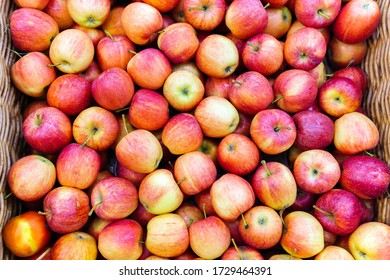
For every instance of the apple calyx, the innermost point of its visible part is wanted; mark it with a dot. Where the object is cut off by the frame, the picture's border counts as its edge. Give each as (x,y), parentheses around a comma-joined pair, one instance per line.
(237,249)
(264,163)
(255,48)
(246,226)
(94,207)
(321,13)
(39,120)
(323,211)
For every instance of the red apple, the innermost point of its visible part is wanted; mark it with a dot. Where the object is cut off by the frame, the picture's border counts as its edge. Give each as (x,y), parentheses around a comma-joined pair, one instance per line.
(89,13)
(304,201)
(76,245)
(318,13)
(333,252)
(162,5)
(95,34)
(32,106)
(342,54)
(92,72)
(356,74)
(218,86)
(296,25)
(113,24)
(36,4)
(242,253)
(141,215)
(96,226)
(367,210)
(203,201)
(279,21)
(58,10)
(190,66)
(276,3)
(204,14)
(189,212)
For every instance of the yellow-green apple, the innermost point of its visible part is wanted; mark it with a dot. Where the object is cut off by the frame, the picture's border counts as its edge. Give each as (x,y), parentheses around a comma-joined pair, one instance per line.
(76,245)
(251,92)
(36,4)
(89,13)
(246,18)
(113,24)
(279,21)
(26,234)
(204,14)
(32,29)
(305,48)
(71,51)
(217,56)
(209,147)
(273,131)
(31,177)
(218,86)
(77,166)
(231,195)
(141,22)
(242,252)
(95,127)
(96,225)
(66,209)
(295,90)
(113,89)
(203,201)
(71,93)
(304,200)
(139,151)
(113,198)
(366,12)
(274,185)
(32,74)
(58,10)
(92,71)
(316,171)
(189,212)
(209,237)
(179,42)
(355,133)
(194,172)
(163,6)
(356,74)
(338,211)
(370,241)
(114,51)
(95,34)
(333,252)
(141,215)
(217,116)
(121,240)
(367,210)
(183,90)
(238,154)
(276,3)
(303,236)
(261,227)
(315,130)
(159,193)
(167,235)
(318,13)
(366,176)
(149,68)
(190,66)
(319,74)
(342,55)
(47,130)
(263,53)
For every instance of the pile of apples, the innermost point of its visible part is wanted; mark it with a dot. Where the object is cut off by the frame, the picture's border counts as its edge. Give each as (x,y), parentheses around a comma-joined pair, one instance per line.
(195,129)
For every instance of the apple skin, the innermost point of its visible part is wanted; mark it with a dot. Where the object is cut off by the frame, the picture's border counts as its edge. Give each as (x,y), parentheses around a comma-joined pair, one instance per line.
(31,177)
(218,86)
(95,34)
(370,241)
(167,235)
(279,21)
(121,240)
(92,72)
(76,245)
(31,74)
(342,211)
(190,66)
(47,130)
(345,28)
(304,201)
(26,234)
(95,226)
(32,106)
(66,209)
(243,253)
(342,55)
(37,4)
(356,74)
(89,13)
(58,10)
(141,215)
(319,74)
(367,210)
(204,15)
(296,25)
(163,6)
(32,29)
(318,13)
(365,176)
(333,252)
(189,212)
(113,24)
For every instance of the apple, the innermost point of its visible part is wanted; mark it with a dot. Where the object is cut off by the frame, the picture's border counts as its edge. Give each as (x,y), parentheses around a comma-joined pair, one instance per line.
(167,235)
(342,54)
(177,13)
(296,25)
(209,147)
(367,210)
(32,106)
(113,89)
(263,53)
(333,252)
(279,21)
(316,171)
(261,227)
(276,3)
(370,241)
(95,127)
(31,74)
(31,177)
(355,133)
(96,226)
(217,116)
(244,124)
(76,245)
(47,130)
(58,10)
(366,176)
(209,237)
(217,56)
(318,13)
(149,68)
(273,131)
(36,4)
(284,257)
(246,18)
(218,86)
(367,12)
(32,30)
(66,209)
(159,193)
(189,212)
(141,215)
(95,34)
(304,235)
(89,13)
(315,130)
(141,22)
(304,200)
(139,151)
(305,48)
(71,51)
(71,93)
(163,6)
(92,72)
(26,234)
(356,74)
(113,25)
(190,66)
(114,198)
(204,14)
(121,240)
(242,253)
(319,73)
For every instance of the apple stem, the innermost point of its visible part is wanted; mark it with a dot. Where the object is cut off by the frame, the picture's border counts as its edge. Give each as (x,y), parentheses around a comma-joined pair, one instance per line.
(321,13)
(161,31)
(124,123)
(278,128)
(133,52)
(246,226)
(277,99)
(204,210)
(292,255)
(44,254)
(108,34)
(281,216)
(264,163)
(121,110)
(181,180)
(39,119)
(234,81)
(8,195)
(203,8)
(89,137)
(93,208)
(43,213)
(267,5)
(53,65)
(369,154)
(17,53)
(329,75)
(322,211)
(238,250)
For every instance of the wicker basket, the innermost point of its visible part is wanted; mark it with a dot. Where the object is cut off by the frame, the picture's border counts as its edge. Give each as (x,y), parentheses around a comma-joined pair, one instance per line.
(376,103)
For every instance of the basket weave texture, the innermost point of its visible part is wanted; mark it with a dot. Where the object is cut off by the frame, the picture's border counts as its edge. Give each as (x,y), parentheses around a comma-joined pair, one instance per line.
(376,103)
